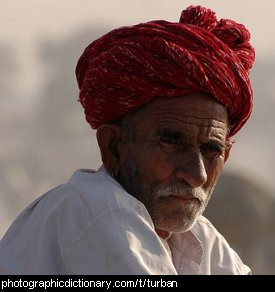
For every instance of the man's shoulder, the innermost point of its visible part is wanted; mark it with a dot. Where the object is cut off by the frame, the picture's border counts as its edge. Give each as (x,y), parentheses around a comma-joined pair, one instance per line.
(86,196)
(87,192)
(208,234)
(100,192)
(204,224)
(223,259)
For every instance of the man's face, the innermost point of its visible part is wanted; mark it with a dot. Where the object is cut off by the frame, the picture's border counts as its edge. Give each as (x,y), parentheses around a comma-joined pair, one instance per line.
(176,159)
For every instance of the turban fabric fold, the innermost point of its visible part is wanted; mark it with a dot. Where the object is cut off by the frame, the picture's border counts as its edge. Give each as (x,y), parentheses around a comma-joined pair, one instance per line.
(132,65)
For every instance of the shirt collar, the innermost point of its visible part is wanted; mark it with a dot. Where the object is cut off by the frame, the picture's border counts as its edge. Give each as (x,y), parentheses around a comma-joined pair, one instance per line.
(108,176)
(188,245)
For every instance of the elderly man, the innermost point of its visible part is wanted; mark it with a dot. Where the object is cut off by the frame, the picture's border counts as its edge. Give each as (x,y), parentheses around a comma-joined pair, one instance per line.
(165,98)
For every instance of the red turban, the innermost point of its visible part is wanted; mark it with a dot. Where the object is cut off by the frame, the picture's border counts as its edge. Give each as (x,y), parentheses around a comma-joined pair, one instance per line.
(132,65)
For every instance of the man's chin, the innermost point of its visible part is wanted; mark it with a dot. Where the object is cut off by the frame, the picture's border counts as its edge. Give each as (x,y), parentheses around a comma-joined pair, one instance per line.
(177,219)
(176,227)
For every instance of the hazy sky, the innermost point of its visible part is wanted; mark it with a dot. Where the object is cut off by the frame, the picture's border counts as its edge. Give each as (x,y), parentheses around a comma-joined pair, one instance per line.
(33,19)
(24,23)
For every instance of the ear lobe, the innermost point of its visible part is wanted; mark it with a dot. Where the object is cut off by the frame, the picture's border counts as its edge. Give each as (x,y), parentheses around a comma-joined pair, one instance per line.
(109,138)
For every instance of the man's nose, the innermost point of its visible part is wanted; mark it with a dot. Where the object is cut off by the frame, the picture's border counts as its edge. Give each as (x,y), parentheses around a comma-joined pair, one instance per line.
(190,168)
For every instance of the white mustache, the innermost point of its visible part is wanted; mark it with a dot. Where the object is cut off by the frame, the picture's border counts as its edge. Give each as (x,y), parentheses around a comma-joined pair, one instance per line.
(183,191)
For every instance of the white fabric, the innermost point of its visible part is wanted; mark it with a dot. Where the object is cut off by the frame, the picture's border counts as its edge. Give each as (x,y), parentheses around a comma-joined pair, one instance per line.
(91,225)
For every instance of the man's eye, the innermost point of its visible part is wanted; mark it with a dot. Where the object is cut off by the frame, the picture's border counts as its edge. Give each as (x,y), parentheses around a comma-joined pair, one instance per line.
(169,140)
(169,144)
(213,150)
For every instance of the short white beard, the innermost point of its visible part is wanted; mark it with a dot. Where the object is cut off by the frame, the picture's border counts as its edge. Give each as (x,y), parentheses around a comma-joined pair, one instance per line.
(181,190)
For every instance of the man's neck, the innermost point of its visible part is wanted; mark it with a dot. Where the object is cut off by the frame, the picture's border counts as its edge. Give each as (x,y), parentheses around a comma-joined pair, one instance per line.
(163,234)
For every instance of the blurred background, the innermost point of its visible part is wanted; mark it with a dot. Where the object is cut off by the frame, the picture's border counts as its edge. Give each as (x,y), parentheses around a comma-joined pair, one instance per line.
(44,137)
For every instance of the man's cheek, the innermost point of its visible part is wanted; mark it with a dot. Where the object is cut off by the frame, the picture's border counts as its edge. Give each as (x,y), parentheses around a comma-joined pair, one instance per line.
(158,167)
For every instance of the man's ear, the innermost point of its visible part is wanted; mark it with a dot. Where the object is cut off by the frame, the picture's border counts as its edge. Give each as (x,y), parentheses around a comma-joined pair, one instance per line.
(227,151)
(109,139)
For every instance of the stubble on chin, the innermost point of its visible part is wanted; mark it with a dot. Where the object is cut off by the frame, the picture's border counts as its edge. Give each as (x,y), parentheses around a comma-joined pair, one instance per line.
(170,213)
(166,213)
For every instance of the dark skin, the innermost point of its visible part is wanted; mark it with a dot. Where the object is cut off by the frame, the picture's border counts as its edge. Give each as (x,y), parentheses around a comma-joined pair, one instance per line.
(174,161)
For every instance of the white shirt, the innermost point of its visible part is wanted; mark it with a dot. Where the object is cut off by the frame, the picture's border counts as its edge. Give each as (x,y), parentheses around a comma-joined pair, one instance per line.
(91,225)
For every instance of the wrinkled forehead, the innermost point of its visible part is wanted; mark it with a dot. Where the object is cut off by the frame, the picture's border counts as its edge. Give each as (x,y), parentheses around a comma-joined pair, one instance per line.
(193,113)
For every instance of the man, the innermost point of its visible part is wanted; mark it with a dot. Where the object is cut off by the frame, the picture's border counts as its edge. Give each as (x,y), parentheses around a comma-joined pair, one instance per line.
(165,98)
